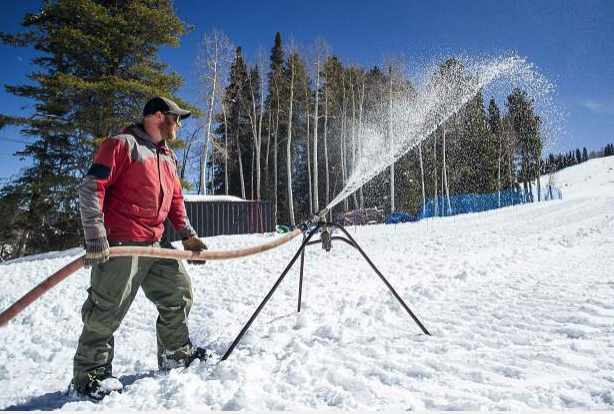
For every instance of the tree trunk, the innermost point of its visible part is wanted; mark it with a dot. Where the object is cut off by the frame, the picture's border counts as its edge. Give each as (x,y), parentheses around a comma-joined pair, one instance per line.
(203,164)
(539,186)
(255,124)
(326,147)
(436,211)
(343,146)
(499,174)
(360,139)
(241,175)
(212,175)
(422,179)
(253,173)
(259,147)
(353,139)
(226,149)
(275,210)
(288,148)
(308,154)
(445,174)
(316,202)
(390,143)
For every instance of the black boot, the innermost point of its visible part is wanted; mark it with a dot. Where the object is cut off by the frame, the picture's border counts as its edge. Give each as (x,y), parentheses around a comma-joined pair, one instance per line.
(171,360)
(98,386)
(201,354)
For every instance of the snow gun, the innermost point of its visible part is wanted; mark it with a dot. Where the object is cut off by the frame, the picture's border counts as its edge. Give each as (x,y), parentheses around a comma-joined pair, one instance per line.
(318,224)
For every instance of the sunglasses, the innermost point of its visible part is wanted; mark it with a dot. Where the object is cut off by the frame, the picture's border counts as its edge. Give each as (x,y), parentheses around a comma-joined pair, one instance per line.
(175,118)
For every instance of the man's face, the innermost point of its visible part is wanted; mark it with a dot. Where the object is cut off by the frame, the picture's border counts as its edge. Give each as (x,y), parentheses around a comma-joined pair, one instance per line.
(169,126)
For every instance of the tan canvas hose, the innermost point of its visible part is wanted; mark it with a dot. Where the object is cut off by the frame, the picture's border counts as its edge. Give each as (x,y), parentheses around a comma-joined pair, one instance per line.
(77,264)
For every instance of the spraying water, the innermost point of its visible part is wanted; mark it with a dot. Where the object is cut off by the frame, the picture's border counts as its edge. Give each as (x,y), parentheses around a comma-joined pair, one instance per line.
(435,100)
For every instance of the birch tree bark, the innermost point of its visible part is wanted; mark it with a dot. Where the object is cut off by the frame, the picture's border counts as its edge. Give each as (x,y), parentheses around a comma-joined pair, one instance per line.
(353,137)
(445,173)
(422,178)
(391,141)
(225,114)
(343,139)
(308,114)
(361,195)
(292,68)
(326,167)
(214,55)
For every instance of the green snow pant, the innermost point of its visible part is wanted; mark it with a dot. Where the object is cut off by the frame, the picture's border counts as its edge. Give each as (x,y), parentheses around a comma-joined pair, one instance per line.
(113,286)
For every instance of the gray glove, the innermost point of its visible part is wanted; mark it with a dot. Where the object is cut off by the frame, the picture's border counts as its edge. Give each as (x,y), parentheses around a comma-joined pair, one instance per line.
(96,251)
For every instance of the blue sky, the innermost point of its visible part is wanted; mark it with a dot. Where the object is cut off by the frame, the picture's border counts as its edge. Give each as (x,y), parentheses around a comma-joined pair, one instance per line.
(571,42)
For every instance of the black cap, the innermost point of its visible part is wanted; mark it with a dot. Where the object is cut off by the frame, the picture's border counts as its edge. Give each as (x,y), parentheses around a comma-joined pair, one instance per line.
(164,105)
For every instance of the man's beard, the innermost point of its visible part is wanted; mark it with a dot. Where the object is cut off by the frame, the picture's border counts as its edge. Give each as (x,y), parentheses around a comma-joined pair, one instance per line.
(167,129)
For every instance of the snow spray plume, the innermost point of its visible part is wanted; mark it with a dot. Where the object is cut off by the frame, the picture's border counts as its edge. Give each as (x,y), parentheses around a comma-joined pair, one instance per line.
(418,113)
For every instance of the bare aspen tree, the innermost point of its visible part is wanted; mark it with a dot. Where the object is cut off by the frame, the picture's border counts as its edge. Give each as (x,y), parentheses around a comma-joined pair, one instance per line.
(289,141)
(268,149)
(189,141)
(225,114)
(275,150)
(292,62)
(343,139)
(261,60)
(322,50)
(353,135)
(499,173)
(307,115)
(255,118)
(256,115)
(422,178)
(360,136)
(277,84)
(436,213)
(215,53)
(445,173)
(241,173)
(327,173)
(390,138)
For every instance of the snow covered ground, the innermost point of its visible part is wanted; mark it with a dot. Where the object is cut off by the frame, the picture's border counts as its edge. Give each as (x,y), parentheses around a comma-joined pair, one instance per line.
(519,302)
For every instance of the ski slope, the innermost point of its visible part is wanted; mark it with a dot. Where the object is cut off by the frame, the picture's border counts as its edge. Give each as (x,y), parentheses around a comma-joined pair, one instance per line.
(519,302)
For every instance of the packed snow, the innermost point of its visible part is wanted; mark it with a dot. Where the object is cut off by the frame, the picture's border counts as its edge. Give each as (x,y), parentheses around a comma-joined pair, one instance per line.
(518,302)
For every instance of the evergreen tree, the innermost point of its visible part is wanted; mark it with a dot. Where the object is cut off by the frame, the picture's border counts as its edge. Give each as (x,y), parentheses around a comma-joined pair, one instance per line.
(494,122)
(526,127)
(234,121)
(584,154)
(97,65)
(578,156)
(480,149)
(276,126)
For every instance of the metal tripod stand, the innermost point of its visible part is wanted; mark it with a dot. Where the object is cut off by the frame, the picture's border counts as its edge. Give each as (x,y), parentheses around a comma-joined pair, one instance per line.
(326,240)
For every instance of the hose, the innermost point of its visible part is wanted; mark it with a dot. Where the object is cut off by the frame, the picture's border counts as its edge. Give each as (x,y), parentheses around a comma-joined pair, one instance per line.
(78,263)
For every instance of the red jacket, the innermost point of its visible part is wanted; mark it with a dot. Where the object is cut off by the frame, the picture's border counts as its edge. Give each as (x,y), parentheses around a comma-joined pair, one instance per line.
(131,188)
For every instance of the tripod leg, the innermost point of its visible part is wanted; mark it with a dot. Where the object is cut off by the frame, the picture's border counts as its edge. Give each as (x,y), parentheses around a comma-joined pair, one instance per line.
(396,295)
(268,296)
(300,283)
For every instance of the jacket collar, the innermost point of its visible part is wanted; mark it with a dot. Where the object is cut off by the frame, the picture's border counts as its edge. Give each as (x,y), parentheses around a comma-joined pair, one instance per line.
(138,131)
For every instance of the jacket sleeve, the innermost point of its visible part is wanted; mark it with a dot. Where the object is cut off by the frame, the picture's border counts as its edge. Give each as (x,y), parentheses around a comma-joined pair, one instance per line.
(111,160)
(177,214)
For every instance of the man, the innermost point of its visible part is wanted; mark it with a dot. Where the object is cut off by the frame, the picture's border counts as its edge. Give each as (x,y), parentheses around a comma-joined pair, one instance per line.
(127,194)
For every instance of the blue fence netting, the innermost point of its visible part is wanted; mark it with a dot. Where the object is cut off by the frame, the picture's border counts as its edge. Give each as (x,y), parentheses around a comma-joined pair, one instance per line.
(475,203)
